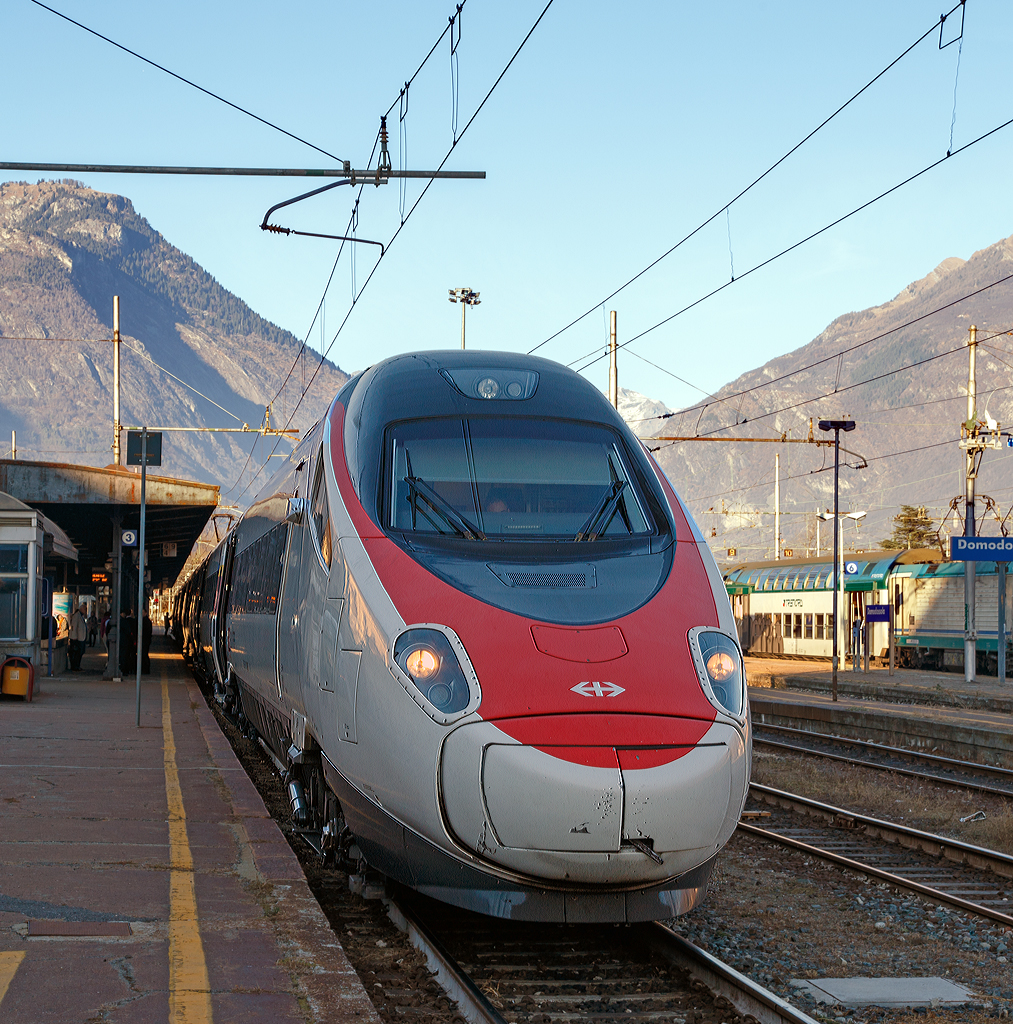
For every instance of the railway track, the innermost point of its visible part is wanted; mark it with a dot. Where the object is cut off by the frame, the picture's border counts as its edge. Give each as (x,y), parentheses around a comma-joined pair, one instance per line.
(516,972)
(947,871)
(503,971)
(981,778)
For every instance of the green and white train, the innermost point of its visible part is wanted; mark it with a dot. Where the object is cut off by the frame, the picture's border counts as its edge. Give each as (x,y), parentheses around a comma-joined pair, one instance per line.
(785,608)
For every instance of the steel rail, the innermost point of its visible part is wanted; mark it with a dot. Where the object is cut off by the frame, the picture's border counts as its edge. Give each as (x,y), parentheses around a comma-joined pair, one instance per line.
(727,985)
(471,1001)
(918,755)
(750,999)
(928,842)
(978,787)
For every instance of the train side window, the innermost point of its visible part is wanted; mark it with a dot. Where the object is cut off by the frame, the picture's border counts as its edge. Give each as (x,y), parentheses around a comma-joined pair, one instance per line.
(798,626)
(808,626)
(321,513)
(256,574)
(786,626)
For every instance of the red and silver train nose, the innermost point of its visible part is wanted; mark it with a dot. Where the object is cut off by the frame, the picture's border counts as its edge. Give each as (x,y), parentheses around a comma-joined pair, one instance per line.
(585,798)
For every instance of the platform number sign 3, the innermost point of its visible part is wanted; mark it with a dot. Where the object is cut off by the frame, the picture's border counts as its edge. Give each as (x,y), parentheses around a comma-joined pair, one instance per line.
(128,538)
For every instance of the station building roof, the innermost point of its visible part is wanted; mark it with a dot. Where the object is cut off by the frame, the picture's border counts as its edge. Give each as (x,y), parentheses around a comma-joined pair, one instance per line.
(84,502)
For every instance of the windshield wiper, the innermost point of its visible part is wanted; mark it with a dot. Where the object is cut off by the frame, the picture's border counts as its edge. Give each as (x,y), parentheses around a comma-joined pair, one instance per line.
(603,513)
(421,491)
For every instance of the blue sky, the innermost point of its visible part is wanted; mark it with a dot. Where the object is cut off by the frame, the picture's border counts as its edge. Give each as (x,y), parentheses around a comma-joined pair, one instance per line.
(618,129)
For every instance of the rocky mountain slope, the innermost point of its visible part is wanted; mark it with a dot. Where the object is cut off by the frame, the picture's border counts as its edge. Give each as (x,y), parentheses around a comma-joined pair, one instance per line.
(916,411)
(65,250)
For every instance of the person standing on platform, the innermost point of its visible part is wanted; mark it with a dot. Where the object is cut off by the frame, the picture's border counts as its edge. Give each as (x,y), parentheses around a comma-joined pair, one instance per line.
(128,645)
(78,634)
(92,629)
(146,645)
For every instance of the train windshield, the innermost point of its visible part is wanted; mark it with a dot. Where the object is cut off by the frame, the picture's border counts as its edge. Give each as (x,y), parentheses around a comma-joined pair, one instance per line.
(511,479)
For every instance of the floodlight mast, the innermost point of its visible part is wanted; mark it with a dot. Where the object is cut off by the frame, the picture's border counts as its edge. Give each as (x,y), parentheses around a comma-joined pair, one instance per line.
(466,297)
(836,426)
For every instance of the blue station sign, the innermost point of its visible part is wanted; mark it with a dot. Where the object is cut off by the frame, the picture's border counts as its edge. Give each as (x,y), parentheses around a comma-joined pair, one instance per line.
(981,549)
(877,613)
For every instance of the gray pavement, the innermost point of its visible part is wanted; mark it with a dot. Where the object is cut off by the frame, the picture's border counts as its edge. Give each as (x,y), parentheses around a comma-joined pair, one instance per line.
(157,828)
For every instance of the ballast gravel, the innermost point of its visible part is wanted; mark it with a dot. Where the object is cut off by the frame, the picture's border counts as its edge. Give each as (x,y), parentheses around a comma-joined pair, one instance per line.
(777,915)
(772,913)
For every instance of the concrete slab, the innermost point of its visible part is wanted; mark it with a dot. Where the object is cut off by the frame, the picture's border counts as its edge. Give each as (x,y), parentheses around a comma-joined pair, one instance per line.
(886,991)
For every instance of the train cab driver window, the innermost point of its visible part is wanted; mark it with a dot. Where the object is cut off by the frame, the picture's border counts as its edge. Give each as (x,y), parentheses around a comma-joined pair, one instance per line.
(320,513)
(504,499)
(511,479)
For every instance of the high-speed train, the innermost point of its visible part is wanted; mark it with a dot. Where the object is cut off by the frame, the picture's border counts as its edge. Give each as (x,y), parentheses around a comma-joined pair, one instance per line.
(475,623)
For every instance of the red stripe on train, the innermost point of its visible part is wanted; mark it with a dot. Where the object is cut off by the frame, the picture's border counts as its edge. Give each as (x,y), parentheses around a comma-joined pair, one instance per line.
(657,678)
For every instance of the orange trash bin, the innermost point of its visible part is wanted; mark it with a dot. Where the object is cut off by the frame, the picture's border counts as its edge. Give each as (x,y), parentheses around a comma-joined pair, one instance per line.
(17,678)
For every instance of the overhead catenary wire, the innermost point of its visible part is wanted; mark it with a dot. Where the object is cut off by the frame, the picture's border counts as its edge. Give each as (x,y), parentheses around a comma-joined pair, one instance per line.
(823,469)
(810,237)
(400,102)
(839,391)
(721,399)
(849,387)
(401,227)
(186,81)
(756,181)
(136,351)
(144,355)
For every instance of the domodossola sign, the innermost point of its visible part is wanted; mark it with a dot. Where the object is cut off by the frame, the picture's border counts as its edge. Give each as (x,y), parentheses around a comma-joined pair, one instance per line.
(877,613)
(981,549)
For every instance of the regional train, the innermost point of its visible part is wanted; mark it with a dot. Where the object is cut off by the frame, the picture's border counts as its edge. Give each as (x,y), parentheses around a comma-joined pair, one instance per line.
(785,608)
(475,625)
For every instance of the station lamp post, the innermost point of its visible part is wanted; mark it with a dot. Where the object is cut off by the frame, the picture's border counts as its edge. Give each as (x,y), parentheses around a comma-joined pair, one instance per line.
(836,426)
(466,297)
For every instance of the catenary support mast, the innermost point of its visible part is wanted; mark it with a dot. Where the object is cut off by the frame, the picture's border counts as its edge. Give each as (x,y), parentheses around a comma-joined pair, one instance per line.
(973,458)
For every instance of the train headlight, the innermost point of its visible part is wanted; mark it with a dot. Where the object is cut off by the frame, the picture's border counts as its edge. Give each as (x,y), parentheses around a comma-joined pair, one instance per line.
(422,663)
(427,657)
(487,387)
(719,665)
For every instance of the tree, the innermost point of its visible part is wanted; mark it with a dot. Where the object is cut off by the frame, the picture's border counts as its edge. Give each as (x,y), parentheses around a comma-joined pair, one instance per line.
(913,527)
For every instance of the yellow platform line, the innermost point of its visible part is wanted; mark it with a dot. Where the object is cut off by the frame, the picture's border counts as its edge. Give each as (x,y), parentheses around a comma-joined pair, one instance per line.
(189,989)
(9,963)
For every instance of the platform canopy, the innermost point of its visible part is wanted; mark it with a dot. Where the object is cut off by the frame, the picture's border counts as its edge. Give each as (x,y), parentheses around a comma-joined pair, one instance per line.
(57,544)
(86,502)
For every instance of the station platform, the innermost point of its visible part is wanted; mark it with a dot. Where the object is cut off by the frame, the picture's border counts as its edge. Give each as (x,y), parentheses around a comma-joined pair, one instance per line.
(142,878)
(932,711)
(906,684)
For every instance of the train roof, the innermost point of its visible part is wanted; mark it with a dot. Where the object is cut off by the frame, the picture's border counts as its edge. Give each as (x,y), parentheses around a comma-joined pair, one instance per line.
(871,568)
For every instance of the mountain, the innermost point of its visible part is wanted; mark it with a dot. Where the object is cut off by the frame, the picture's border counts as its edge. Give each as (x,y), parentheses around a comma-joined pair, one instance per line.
(917,412)
(639,411)
(65,250)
